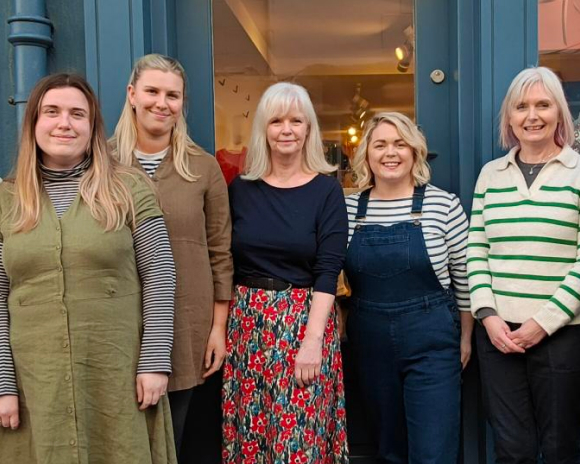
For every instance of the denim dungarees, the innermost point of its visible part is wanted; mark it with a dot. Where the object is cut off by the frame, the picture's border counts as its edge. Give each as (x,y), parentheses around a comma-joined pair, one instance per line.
(404,330)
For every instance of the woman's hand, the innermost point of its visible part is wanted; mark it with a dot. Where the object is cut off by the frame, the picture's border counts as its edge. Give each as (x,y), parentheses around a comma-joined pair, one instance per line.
(498,332)
(9,411)
(529,334)
(215,350)
(151,387)
(467,322)
(465,349)
(308,361)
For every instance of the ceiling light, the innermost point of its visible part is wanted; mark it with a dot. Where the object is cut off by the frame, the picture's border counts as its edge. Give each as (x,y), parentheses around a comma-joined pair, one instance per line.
(351,131)
(354,139)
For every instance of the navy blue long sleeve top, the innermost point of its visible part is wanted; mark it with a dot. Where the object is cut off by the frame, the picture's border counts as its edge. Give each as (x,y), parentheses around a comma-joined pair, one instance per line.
(298,235)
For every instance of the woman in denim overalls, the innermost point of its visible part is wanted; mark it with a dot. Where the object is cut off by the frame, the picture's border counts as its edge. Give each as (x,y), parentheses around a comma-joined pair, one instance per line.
(406,269)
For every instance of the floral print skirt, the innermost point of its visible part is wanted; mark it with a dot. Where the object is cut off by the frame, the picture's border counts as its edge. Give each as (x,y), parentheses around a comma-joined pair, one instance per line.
(268,418)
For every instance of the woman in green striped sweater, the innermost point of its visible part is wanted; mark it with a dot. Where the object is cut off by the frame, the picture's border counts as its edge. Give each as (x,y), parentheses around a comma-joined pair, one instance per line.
(524,276)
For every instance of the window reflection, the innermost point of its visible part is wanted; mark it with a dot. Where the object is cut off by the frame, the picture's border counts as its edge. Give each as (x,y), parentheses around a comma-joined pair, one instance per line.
(355,59)
(559,46)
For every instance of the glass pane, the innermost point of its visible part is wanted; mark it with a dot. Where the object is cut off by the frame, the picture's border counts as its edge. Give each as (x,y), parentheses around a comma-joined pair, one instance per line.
(342,51)
(559,45)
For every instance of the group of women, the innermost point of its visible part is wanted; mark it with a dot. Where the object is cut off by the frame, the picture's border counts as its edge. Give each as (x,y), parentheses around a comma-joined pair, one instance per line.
(129,274)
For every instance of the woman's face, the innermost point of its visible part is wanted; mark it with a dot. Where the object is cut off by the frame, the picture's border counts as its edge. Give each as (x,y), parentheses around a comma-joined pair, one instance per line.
(158,100)
(390,158)
(534,118)
(286,134)
(63,128)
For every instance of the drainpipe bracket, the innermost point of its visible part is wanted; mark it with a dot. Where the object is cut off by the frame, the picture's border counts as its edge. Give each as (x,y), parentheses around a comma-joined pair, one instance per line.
(30,30)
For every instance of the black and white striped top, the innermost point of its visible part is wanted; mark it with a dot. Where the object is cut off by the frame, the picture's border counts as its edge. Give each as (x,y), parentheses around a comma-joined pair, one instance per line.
(150,163)
(444,227)
(157,274)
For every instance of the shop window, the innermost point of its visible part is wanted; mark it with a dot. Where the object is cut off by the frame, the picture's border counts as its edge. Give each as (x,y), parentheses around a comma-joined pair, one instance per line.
(559,47)
(354,57)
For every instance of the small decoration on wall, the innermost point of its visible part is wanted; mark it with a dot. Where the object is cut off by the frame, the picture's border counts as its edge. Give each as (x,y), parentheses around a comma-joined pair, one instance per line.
(236,89)
(246,114)
(222,82)
(248,97)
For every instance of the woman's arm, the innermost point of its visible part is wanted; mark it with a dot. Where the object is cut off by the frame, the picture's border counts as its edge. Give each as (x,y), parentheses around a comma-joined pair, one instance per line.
(218,226)
(479,274)
(456,240)
(157,273)
(332,236)
(8,390)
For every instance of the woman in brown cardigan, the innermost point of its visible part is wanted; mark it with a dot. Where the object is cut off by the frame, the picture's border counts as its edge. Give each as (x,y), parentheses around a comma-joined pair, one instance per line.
(152,133)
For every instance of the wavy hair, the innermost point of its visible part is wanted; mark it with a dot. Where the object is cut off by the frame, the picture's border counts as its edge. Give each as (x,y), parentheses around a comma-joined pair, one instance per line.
(521,84)
(411,135)
(124,140)
(277,101)
(108,198)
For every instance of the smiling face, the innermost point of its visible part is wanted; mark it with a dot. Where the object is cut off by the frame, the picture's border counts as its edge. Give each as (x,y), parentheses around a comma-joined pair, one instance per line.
(390,158)
(63,127)
(158,101)
(535,117)
(286,134)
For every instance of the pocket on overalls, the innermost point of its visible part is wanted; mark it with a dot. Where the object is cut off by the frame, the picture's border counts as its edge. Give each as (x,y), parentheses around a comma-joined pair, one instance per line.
(384,256)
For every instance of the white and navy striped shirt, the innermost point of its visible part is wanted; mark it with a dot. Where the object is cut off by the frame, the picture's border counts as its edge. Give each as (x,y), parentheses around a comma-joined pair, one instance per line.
(150,162)
(157,274)
(444,227)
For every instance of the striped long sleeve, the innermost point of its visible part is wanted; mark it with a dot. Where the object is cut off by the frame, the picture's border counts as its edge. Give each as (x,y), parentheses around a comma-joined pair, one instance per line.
(7,374)
(523,251)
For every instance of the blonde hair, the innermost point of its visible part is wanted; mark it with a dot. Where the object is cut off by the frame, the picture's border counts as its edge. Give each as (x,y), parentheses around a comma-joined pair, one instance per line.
(124,140)
(109,200)
(279,100)
(521,84)
(411,135)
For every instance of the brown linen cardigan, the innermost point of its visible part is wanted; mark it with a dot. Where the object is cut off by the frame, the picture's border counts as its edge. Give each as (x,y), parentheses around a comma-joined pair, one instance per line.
(197,215)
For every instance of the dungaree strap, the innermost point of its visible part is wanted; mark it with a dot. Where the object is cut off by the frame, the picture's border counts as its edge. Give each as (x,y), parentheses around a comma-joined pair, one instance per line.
(363,202)
(418,196)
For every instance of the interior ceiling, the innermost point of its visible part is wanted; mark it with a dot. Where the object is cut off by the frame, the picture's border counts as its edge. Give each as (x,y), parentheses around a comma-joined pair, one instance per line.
(296,37)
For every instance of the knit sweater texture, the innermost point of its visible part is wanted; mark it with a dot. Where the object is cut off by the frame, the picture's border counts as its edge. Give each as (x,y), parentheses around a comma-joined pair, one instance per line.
(523,250)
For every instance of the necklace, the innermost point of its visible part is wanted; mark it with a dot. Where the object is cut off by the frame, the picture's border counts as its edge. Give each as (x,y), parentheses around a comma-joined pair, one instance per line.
(542,162)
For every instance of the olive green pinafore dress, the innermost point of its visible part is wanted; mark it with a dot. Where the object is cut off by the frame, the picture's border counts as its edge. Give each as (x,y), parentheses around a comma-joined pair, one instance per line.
(75,331)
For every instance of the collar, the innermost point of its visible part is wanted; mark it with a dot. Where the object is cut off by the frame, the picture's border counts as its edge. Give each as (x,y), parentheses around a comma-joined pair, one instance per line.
(567,156)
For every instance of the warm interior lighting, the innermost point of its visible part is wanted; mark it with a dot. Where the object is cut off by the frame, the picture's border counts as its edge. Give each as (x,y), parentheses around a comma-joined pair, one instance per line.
(354,139)
(351,131)
(399,53)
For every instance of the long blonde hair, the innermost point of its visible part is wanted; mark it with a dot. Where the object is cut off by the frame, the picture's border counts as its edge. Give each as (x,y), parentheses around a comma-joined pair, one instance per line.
(410,134)
(124,139)
(278,100)
(108,198)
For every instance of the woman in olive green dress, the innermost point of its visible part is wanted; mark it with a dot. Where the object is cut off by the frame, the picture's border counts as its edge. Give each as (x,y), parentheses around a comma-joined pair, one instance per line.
(86,295)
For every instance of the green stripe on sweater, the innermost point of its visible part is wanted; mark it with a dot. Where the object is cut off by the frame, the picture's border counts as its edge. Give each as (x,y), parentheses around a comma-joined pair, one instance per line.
(522,295)
(478,245)
(476,212)
(562,307)
(572,292)
(477,287)
(471,274)
(477,229)
(509,275)
(551,204)
(532,219)
(565,188)
(524,238)
(546,259)
(470,260)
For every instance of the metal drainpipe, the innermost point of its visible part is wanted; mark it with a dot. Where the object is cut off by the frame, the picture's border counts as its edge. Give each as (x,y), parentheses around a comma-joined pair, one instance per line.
(31,35)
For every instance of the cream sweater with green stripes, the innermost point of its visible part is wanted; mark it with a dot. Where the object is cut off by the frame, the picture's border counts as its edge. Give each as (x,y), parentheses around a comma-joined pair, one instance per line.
(523,255)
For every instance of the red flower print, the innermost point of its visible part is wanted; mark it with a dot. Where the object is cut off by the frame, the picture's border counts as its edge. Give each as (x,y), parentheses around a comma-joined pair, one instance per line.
(288,421)
(279,447)
(269,339)
(291,356)
(283,345)
(310,410)
(300,396)
(228,372)
(248,323)
(229,432)
(299,295)
(248,386)
(299,457)
(258,300)
(283,305)
(301,332)
(268,375)
(340,413)
(250,448)
(257,361)
(270,313)
(309,437)
(283,383)
(229,407)
(289,319)
(278,409)
(259,423)
(298,308)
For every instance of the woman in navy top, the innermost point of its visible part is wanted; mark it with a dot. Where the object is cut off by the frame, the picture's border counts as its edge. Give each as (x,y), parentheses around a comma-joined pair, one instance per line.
(283,395)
